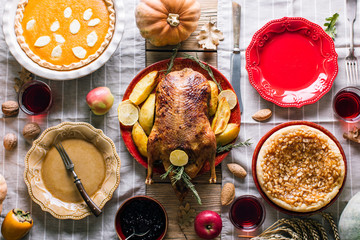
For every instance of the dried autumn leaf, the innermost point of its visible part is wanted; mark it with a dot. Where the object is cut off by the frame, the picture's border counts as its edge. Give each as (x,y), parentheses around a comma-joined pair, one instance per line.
(186,216)
(209,36)
(24,77)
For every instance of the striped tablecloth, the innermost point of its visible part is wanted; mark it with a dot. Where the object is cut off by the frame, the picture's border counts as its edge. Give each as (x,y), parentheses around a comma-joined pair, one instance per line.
(70,105)
(254,15)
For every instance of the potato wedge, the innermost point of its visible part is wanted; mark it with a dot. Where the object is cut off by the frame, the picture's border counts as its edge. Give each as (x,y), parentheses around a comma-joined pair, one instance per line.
(222,117)
(228,135)
(140,139)
(214,98)
(147,113)
(143,88)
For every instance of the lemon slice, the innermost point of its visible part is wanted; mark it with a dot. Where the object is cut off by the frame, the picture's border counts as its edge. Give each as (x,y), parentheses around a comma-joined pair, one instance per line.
(230,97)
(128,113)
(179,158)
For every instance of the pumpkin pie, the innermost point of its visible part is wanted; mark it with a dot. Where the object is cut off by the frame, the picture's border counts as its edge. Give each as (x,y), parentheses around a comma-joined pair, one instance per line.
(64,34)
(300,168)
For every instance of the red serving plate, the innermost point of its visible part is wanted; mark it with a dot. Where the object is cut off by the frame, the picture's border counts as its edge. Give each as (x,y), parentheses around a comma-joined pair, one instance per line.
(291,62)
(179,64)
(256,153)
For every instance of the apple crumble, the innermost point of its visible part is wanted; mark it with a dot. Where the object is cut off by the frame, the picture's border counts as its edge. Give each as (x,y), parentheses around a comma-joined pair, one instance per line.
(300,168)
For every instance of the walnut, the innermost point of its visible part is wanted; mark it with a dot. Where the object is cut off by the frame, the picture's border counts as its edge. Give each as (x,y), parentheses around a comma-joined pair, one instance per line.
(10,108)
(31,131)
(353,135)
(10,141)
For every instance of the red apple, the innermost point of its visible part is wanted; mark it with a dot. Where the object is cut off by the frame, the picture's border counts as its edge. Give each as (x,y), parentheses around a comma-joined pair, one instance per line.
(208,224)
(100,100)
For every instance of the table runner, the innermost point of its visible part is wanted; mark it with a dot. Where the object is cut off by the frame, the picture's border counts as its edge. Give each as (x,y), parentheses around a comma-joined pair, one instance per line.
(69,105)
(254,15)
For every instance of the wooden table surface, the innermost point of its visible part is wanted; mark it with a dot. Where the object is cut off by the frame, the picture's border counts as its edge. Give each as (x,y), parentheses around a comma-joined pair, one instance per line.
(161,189)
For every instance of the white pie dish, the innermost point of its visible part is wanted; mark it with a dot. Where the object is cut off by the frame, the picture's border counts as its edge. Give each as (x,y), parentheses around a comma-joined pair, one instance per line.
(26,62)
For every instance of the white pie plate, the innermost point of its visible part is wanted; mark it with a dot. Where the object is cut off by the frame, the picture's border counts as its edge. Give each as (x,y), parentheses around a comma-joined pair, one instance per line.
(26,62)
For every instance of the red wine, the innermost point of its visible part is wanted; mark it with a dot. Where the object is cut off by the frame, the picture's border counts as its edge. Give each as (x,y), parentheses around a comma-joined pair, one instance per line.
(347,104)
(247,213)
(35,98)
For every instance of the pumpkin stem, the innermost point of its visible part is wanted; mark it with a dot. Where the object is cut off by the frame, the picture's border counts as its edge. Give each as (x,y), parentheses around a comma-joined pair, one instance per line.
(173,19)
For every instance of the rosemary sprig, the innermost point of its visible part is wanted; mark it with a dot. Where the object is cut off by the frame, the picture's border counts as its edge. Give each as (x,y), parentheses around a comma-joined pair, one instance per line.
(172,58)
(179,173)
(226,148)
(163,176)
(205,67)
(187,181)
(330,25)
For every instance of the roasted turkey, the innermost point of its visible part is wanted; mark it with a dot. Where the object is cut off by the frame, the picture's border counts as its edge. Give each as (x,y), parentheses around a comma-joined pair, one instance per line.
(181,122)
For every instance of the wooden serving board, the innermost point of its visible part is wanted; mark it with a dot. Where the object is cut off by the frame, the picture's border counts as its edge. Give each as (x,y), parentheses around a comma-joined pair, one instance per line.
(161,189)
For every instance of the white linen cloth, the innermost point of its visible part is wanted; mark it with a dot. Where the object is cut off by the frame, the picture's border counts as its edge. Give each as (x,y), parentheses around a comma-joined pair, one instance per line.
(254,15)
(70,105)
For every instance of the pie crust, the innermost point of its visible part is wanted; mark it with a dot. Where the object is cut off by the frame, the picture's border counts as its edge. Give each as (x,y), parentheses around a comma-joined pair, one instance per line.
(80,61)
(300,168)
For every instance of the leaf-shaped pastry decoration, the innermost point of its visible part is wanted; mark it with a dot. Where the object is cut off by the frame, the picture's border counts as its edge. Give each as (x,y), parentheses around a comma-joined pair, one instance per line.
(209,36)
(42,41)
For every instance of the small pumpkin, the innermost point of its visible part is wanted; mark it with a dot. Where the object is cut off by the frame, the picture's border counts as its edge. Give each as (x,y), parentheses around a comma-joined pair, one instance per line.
(350,219)
(167,22)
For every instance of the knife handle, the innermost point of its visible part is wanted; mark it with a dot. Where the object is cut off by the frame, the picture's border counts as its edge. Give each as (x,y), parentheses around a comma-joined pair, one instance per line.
(236,18)
(93,207)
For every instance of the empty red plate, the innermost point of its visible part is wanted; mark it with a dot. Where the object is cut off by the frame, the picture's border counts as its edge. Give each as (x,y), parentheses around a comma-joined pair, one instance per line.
(291,62)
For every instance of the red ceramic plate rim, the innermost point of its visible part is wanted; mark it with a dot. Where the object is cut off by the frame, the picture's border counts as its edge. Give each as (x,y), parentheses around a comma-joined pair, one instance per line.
(249,68)
(256,153)
(179,63)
